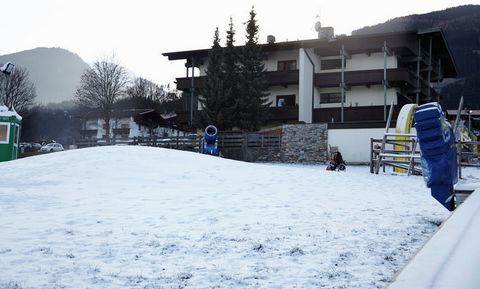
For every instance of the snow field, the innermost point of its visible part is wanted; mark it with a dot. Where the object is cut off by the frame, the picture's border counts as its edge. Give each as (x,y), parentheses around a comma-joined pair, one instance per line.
(139,217)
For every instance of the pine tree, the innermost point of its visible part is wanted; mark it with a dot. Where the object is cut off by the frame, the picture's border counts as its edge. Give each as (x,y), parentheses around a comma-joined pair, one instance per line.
(230,77)
(213,100)
(252,104)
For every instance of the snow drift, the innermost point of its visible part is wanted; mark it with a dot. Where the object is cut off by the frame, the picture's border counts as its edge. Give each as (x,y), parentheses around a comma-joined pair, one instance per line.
(139,217)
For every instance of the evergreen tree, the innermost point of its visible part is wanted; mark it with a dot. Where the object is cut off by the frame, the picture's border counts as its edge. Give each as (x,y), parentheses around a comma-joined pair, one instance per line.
(251,106)
(230,72)
(213,99)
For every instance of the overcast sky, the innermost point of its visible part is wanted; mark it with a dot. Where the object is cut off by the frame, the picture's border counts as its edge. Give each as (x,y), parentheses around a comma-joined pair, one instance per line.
(139,31)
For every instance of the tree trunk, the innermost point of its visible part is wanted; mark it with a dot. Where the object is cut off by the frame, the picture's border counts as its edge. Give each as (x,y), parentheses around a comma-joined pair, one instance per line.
(107,130)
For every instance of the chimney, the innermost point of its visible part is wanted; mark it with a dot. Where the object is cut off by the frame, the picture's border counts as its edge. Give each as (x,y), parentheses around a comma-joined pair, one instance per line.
(270,39)
(324,32)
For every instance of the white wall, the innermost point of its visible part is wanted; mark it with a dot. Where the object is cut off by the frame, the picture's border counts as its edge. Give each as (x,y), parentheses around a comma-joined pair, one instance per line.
(275,56)
(354,144)
(305,92)
(359,96)
(366,62)
(202,70)
(315,58)
(281,90)
(367,96)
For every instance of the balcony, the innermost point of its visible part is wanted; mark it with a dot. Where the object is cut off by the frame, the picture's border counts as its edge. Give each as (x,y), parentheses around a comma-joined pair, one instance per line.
(353,114)
(273,78)
(282,114)
(397,77)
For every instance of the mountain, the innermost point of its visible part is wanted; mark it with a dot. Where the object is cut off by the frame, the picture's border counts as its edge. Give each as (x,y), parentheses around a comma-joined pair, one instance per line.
(54,71)
(461,26)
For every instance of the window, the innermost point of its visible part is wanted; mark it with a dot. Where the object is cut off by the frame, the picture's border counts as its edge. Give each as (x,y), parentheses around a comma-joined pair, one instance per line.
(287,65)
(4,130)
(285,100)
(327,64)
(335,97)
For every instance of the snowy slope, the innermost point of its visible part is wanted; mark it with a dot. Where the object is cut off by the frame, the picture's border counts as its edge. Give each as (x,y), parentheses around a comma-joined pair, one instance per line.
(139,217)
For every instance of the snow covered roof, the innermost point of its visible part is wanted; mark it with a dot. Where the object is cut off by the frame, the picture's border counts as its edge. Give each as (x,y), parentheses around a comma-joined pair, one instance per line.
(168,115)
(118,113)
(4,111)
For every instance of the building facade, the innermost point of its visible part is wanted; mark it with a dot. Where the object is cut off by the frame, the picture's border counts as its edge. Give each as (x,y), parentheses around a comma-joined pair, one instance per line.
(341,79)
(128,123)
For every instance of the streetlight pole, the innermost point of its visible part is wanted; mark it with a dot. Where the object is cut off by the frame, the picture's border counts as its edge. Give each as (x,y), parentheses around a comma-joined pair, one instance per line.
(470,120)
(6,69)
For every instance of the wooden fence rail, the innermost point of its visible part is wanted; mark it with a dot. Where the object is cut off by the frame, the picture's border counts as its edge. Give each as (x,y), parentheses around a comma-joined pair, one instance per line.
(467,153)
(190,142)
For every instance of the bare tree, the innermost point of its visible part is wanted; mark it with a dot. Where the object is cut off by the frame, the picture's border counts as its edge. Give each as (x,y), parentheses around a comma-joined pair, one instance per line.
(100,86)
(17,91)
(146,89)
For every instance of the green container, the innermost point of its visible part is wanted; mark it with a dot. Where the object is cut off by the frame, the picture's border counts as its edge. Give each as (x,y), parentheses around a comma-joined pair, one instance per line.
(10,127)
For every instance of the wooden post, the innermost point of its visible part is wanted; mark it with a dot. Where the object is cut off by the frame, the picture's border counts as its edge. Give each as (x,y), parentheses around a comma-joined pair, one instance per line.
(459,158)
(412,160)
(199,141)
(177,139)
(371,155)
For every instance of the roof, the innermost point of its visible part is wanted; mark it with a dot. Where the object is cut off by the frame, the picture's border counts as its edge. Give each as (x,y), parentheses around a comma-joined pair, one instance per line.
(4,111)
(168,115)
(118,113)
(360,42)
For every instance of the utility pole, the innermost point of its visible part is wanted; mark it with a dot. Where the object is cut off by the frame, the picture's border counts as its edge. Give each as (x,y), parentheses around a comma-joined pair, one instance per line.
(192,92)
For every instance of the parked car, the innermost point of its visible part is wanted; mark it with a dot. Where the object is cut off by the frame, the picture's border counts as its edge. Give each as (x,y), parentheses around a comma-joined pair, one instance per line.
(26,147)
(52,147)
(36,146)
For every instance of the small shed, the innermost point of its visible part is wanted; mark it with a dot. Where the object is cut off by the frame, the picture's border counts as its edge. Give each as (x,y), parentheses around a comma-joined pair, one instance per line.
(10,126)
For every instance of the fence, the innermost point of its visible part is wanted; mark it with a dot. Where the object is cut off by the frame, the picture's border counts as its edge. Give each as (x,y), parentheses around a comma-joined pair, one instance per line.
(467,155)
(188,142)
(248,140)
(396,150)
(191,142)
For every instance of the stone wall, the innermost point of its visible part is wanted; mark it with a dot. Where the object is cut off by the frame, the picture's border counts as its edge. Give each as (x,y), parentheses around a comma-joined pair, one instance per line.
(271,154)
(300,143)
(304,143)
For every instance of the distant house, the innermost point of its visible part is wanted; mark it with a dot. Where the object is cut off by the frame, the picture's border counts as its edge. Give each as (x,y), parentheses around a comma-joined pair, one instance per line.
(129,123)
(344,78)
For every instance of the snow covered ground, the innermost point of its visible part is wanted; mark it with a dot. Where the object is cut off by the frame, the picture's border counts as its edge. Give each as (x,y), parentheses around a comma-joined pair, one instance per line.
(139,217)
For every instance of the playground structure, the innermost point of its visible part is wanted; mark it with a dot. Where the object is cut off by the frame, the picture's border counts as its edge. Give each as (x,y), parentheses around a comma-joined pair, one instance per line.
(400,149)
(397,149)
(445,150)
(210,141)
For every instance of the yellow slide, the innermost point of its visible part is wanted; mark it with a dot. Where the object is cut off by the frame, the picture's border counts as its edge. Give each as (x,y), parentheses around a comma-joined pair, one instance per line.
(404,125)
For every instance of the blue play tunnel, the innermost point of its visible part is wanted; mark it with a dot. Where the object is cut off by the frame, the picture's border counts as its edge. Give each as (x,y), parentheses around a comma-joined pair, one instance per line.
(438,154)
